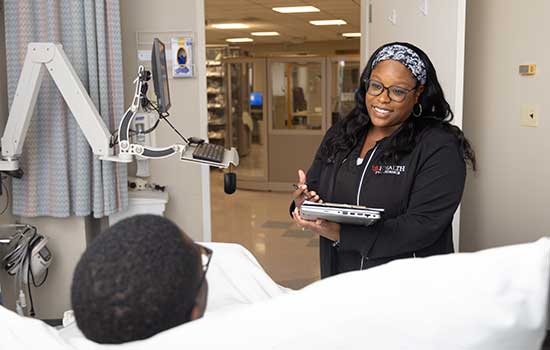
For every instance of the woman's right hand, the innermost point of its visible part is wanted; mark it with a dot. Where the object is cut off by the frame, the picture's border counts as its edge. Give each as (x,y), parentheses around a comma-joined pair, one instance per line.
(301,194)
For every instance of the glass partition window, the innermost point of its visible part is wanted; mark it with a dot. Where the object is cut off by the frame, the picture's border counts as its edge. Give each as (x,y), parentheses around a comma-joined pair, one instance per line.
(344,82)
(296,95)
(246,86)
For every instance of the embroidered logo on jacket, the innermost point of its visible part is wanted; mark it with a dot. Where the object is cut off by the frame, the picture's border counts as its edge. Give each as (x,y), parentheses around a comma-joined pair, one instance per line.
(388,169)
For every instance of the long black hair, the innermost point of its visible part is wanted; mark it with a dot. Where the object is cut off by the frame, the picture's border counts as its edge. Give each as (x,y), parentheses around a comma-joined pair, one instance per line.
(435,112)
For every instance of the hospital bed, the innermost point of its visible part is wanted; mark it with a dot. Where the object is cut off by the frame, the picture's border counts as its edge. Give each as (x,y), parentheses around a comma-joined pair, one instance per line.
(493,299)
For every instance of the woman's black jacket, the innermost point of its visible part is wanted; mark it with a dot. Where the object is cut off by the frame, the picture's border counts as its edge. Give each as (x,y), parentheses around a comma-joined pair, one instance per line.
(420,195)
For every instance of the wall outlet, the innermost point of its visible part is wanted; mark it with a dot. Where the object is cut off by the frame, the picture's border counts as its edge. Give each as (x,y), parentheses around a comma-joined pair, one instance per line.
(529,116)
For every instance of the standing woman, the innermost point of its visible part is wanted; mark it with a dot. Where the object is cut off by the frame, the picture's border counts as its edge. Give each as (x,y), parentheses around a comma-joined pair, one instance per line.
(396,150)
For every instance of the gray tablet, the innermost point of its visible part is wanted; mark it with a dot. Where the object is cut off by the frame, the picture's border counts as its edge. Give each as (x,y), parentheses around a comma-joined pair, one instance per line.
(341,213)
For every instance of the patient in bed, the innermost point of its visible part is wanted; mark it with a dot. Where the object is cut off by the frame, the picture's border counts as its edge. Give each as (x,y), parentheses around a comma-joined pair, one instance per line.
(141,276)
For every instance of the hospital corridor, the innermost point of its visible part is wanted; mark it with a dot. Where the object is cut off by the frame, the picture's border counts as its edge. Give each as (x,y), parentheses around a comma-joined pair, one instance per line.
(260,221)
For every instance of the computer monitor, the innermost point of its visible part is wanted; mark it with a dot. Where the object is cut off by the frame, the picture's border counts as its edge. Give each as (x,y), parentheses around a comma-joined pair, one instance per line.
(160,76)
(256,99)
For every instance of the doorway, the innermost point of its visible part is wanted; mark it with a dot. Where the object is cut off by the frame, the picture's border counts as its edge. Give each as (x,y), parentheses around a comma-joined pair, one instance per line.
(279,109)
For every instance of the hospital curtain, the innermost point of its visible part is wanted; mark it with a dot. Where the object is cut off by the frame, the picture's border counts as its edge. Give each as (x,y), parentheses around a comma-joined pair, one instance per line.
(62,177)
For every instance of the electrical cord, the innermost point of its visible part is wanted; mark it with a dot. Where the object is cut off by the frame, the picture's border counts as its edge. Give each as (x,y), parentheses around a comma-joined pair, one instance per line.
(30,276)
(114,134)
(18,262)
(16,256)
(15,262)
(31,311)
(148,106)
(164,116)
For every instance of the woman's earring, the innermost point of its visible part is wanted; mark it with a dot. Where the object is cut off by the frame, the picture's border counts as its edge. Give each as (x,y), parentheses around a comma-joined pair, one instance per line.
(419,113)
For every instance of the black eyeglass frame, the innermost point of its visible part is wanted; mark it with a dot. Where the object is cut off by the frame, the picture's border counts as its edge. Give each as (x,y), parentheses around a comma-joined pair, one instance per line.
(387,89)
(209,254)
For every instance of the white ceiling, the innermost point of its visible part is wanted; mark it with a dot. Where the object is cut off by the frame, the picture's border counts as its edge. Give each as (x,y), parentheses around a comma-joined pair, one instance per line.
(294,28)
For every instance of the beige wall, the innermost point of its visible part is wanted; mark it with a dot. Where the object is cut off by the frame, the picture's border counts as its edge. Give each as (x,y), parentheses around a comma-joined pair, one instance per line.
(187,184)
(444,47)
(508,200)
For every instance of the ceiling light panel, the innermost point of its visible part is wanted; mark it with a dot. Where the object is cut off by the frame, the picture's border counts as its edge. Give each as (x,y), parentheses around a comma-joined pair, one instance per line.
(265,33)
(296,9)
(328,22)
(239,40)
(351,35)
(230,26)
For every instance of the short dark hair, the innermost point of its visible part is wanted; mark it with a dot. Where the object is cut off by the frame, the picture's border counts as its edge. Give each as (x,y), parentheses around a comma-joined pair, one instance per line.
(136,279)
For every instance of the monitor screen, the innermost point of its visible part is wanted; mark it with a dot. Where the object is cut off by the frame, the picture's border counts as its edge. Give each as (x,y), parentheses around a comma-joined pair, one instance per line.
(160,76)
(256,99)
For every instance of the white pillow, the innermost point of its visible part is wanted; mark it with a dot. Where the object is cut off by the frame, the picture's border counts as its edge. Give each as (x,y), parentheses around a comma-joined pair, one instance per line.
(494,299)
(235,277)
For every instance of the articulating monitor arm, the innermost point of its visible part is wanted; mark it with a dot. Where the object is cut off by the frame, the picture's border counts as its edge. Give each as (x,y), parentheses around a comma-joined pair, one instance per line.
(127,148)
(52,57)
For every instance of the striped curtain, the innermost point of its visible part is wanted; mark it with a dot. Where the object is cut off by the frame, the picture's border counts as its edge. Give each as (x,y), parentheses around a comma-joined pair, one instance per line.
(62,177)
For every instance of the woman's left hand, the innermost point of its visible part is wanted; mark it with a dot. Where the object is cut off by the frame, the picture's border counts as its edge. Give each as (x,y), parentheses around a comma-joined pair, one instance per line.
(327,229)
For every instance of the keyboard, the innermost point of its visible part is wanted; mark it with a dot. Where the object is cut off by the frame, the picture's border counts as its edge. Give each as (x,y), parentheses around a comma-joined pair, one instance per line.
(209,152)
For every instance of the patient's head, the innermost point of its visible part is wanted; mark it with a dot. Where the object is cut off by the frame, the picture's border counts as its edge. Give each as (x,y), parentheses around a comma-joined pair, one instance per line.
(141,276)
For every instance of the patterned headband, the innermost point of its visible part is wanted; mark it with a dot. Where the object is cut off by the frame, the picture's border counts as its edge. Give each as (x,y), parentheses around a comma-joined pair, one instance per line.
(405,56)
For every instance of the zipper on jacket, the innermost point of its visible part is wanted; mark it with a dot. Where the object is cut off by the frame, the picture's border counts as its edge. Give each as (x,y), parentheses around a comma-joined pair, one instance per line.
(362,259)
(363,175)
(359,192)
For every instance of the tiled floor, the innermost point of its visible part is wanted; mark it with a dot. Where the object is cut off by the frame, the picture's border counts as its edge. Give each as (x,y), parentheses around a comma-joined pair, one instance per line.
(260,222)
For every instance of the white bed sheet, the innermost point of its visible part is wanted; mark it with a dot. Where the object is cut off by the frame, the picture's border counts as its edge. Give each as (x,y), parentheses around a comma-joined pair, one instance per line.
(491,300)
(235,278)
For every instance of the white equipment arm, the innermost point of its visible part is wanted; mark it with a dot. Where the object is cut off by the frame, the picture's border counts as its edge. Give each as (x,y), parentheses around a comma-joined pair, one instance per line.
(77,98)
(56,63)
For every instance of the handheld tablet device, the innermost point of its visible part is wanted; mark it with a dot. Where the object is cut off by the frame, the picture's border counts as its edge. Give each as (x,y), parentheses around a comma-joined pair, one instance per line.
(341,213)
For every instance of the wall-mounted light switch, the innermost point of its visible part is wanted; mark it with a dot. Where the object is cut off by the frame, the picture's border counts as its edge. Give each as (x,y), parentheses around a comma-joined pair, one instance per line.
(529,116)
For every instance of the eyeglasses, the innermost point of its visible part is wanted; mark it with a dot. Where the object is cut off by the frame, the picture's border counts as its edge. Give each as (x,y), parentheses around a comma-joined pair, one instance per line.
(206,256)
(395,93)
